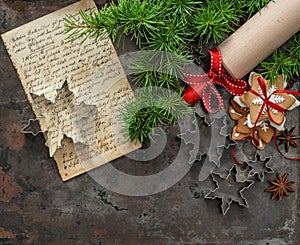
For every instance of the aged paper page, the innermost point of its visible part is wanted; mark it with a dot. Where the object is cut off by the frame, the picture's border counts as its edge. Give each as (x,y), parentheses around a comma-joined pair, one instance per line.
(76,91)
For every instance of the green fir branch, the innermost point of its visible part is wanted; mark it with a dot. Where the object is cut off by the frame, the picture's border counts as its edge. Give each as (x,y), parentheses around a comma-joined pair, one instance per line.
(97,25)
(140,19)
(287,63)
(156,68)
(151,79)
(150,110)
(183,8)
(215,21)
(252,7)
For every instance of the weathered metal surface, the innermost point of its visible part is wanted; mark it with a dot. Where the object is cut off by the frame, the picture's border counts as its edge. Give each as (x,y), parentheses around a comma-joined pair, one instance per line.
(36,207)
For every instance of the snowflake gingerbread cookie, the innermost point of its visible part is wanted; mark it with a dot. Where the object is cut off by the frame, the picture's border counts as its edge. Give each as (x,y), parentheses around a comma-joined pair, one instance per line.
(259,112)
(263,133)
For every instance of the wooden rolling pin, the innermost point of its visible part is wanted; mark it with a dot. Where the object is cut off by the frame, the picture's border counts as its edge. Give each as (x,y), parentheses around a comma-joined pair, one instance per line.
(260,36)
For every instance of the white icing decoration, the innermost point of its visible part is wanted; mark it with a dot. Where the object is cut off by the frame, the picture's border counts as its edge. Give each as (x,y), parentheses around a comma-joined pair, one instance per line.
(264,126)
(275,98)
(236,113)
(278,127)
(296,103)
(250,125)
(239,102)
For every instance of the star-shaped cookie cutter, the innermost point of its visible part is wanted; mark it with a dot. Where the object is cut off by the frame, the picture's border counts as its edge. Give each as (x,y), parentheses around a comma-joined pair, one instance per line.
(191,136)
(227,190)
(259,167)
(28,129)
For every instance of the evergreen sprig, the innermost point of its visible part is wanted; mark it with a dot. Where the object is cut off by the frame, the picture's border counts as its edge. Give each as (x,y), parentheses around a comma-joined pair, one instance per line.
(182,8)
(160,69)
(170,38)
(97,25)
(159,79)
(140,19)
(215,21)
(150,109)
(287,63)
(252,7)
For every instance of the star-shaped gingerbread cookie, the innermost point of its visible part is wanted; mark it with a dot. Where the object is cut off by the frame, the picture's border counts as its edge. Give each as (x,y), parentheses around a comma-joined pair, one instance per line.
(256,102)
(263,133)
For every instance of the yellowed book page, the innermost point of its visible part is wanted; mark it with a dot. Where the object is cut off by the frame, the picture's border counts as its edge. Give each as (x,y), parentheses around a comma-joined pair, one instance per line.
(76,91)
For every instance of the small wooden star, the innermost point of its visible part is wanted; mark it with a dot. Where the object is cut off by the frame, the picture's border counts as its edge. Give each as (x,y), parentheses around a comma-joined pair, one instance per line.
(288,139)
(281,186)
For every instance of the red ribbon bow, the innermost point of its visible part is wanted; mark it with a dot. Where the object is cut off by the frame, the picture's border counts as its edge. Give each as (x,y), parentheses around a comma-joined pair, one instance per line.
(203,86)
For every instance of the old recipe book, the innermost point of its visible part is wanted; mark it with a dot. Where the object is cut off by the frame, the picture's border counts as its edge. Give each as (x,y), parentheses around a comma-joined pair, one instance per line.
(75,91)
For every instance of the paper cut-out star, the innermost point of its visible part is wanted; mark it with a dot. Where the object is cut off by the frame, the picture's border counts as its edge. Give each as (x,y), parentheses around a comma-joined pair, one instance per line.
(56,117)
(229,190)
(64,118)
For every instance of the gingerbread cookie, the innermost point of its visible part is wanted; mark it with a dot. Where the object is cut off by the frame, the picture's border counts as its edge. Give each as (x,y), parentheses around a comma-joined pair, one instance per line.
(260,100)
(263,133)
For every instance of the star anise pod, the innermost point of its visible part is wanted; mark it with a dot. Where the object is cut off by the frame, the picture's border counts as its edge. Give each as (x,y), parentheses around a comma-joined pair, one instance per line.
(281,186)
(288,139)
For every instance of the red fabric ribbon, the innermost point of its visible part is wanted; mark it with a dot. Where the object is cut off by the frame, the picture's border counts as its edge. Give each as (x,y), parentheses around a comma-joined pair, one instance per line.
(203,86)
(266,100)
(269,104)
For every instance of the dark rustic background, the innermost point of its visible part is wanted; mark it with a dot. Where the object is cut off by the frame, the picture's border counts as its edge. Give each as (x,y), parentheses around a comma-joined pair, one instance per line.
(36,207)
